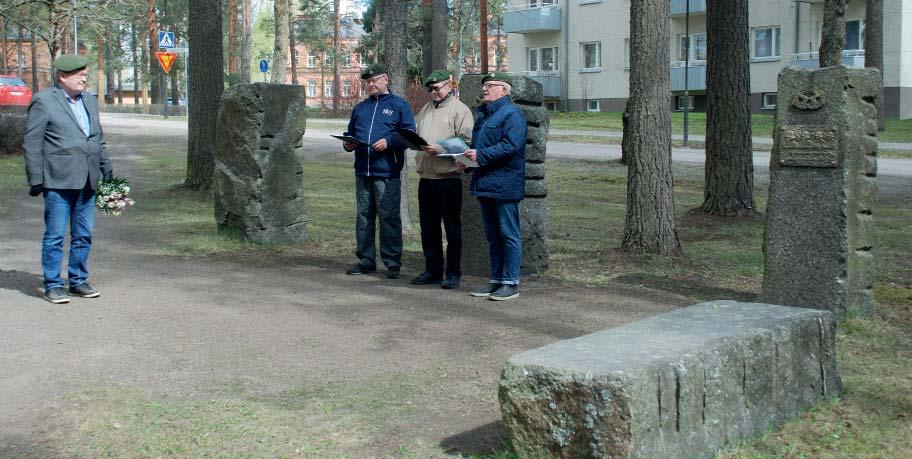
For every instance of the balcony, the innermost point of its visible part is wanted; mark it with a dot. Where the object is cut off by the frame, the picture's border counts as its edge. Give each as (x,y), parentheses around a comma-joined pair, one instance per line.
(525,19)
(850,58)
(550,81)
(679,7)
(696,76)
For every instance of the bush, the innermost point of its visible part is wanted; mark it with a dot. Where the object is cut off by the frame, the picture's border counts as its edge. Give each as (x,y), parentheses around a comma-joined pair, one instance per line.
(12,132)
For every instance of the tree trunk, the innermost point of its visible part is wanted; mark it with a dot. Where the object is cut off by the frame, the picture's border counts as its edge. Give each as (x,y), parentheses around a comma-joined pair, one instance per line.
(427,42)
(4,53)
(20,54)
(337,25)
(280,8)
(292,45)
(143,70)
(395,39)
(832,36)
(154,68)
(137,82)
(100,83)
(244,70)
(34,55)
(729,168)
(439,31)
(650,225)
(232,41)
(206,83)
(873,45)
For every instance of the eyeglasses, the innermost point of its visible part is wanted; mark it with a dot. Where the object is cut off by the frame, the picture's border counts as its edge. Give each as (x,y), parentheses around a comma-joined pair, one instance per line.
(375,79)
(490,85)
(438,87)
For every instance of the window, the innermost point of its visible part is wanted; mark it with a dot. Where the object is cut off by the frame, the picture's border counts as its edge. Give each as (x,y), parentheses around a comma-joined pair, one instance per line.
(311,88)
(328,60)
(593,106)
(698,53)
(328,89)
(543,59)
(769,100)
(679,103)
(591,55)
(346,89)
(540,3)
(765,43)
(311,59)
(854,31)
(346,60)
(551,106)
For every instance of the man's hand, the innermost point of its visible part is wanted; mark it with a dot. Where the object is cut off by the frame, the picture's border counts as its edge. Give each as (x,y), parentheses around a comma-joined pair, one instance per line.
(431,149)
(348,146)
(35,190)
(471,154)
(108,175)
(461,166)
(379,145)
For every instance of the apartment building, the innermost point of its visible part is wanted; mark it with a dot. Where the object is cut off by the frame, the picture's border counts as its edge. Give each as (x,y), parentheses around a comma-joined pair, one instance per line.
(579,49)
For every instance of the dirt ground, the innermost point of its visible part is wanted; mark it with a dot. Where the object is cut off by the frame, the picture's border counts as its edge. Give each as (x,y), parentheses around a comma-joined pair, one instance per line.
(189,327)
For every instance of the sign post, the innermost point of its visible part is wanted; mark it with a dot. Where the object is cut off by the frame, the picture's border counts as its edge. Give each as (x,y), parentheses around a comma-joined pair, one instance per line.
(264,67)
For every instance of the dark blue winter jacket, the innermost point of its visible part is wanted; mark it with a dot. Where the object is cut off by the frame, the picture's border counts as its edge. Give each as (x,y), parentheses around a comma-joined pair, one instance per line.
(499,138)
(374,119)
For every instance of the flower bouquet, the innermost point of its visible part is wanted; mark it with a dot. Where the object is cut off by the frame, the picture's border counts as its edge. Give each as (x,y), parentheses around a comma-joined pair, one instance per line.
(113,196)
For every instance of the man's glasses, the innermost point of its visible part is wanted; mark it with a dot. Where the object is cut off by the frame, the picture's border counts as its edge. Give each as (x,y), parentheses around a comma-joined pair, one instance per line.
(437,88)
(490,85)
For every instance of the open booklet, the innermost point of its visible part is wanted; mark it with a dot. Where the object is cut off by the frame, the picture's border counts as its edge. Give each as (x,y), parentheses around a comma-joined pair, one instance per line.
(410,138)
(350,139)
(456,148)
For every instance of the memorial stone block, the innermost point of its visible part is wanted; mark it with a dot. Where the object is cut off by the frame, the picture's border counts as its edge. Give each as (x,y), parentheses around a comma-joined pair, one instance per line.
(257,179)
(528,96)
(818,243)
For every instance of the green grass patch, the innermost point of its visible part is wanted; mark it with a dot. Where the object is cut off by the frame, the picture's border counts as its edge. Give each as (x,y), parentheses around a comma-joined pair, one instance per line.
(761,125)
(12,180)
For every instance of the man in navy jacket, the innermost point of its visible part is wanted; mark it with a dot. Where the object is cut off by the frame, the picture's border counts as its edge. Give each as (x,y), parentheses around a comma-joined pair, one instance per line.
(378,163)
(499,147)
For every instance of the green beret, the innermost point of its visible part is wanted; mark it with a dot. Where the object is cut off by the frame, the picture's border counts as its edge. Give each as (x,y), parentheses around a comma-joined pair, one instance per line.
(497,76)
(372,71)
(437,77)
(70,62)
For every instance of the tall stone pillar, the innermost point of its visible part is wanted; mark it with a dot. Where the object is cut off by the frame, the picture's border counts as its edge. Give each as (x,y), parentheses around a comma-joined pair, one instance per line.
(533,210)
(819,232)
(258,175)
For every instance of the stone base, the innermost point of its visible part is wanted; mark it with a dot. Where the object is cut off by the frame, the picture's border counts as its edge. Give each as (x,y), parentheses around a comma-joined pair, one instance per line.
(686,384)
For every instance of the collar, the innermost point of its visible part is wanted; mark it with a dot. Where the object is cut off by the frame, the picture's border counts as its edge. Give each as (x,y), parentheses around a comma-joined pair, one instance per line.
(379,96)
(442,101)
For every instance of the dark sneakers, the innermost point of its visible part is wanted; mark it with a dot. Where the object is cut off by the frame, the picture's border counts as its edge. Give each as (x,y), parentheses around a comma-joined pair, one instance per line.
(56,295)
(451,282)
(85,291)
(358,269)
(393,273)
(505,292)
(485,291)
(426,278)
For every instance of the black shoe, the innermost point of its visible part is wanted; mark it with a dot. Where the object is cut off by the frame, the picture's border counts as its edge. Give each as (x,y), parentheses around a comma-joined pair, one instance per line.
(56,295)
(505,292)
(485,291)
(358,269)
(393,273)
(451,282)
(85,291)
(426,278)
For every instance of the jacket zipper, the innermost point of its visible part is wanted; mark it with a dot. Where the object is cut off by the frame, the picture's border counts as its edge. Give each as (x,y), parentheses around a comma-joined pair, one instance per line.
(369,133)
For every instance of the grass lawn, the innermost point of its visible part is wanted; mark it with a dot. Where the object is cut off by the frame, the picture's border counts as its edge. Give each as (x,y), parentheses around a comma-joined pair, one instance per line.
(761,124)
(587,204)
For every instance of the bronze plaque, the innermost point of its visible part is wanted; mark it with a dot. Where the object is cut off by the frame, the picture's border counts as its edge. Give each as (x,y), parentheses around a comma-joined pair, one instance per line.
(809,146)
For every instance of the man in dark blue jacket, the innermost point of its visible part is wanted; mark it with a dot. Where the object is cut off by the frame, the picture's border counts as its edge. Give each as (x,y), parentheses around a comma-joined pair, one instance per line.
(499,147)
(378,161)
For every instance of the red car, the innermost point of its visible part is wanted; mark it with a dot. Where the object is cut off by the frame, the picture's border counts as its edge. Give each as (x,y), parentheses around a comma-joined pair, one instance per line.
(13,91)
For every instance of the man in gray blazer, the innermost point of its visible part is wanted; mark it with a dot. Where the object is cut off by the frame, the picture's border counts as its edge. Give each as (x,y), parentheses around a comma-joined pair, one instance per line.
(64,158)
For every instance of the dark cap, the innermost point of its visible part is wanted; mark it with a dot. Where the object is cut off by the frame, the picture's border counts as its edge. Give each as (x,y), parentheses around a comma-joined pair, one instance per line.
(497,76)
(372,71)
(437,77)
(70,62)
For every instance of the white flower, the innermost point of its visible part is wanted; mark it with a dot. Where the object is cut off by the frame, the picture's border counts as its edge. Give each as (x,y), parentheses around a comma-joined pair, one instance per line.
(111,205)
(126,189)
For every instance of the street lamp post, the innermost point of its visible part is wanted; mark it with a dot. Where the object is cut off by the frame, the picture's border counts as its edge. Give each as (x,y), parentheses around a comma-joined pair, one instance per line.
(686,67)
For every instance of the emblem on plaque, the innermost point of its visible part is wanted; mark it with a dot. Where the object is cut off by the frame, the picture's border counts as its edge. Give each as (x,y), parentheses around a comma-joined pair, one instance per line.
(808,100)
(809,146)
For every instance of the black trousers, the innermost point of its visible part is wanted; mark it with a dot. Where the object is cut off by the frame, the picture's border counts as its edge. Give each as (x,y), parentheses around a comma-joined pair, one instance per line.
(441,200)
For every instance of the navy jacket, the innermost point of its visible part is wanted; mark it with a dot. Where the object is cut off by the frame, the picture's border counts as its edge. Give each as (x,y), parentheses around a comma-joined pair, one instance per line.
(373,119)
(499,138)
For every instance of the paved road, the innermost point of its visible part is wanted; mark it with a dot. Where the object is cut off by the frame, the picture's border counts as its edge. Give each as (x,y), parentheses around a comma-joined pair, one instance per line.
(318,142)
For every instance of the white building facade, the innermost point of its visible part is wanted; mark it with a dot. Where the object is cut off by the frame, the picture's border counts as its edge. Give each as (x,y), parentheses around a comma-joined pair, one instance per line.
(579,49)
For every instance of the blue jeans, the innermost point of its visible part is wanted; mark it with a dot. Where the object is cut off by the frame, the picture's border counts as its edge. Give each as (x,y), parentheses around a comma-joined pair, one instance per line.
(76,207)
(378,196)
(501,225)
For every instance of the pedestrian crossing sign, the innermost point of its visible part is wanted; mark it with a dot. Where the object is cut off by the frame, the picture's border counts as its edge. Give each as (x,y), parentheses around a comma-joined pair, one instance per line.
(166,40)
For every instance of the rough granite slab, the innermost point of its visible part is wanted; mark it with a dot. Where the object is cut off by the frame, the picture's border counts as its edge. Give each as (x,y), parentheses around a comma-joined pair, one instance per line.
(687,383)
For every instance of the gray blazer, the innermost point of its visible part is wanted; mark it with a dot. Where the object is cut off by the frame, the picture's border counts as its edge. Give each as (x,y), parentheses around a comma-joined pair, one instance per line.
(57,152)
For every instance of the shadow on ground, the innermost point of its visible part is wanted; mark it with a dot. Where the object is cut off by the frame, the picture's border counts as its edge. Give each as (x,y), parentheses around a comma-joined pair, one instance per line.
(687,288)
(482,440)
(28,284)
